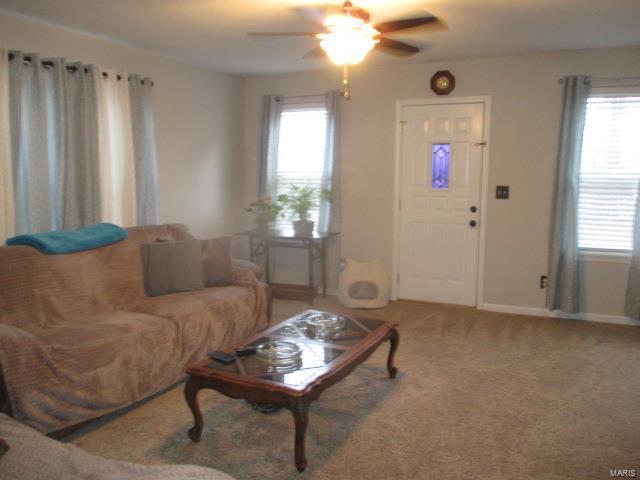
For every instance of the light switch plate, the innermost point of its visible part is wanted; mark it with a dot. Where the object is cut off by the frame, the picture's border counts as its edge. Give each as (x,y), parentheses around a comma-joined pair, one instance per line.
(502,192)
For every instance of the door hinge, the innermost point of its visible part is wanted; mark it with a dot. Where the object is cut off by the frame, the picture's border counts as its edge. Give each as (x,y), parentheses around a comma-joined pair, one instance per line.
(402,124)
(400,204)
(398,278)
(480,144)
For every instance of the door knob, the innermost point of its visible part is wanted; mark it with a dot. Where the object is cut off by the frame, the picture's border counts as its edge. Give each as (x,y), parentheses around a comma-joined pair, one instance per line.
(474,209)
(472,223)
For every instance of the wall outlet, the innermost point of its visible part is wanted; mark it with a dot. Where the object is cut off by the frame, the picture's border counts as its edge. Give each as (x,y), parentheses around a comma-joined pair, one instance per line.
(544,281)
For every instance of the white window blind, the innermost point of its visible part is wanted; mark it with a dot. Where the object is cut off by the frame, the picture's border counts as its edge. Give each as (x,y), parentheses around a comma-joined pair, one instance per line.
(609,173)
(301,146)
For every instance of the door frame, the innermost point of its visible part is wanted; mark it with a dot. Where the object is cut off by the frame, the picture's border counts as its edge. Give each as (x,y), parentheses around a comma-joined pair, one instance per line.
(484,193)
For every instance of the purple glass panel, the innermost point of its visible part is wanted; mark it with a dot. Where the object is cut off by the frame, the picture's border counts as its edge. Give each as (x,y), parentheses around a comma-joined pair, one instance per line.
(440,161)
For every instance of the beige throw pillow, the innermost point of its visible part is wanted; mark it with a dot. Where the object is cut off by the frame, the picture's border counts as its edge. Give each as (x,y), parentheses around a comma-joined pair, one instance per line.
(216,262)
(172,267)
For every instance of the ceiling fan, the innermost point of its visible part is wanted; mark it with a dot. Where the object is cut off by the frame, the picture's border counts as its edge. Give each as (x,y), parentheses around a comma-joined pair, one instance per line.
(347,36)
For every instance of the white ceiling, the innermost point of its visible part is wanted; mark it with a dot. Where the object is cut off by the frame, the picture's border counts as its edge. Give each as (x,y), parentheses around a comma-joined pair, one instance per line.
(212,32)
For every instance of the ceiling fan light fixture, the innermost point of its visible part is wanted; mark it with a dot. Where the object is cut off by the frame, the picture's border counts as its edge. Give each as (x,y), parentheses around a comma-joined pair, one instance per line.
(348,40)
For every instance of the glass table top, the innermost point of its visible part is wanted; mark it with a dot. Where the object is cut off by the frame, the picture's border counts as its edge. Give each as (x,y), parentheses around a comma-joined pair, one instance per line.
(314,347)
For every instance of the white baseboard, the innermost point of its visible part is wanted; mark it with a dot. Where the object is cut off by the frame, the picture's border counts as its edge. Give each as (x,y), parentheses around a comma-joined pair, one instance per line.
(543,312)
(515,309)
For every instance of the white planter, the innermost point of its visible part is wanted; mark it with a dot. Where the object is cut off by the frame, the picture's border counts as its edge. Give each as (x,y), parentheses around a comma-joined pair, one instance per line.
(303,228)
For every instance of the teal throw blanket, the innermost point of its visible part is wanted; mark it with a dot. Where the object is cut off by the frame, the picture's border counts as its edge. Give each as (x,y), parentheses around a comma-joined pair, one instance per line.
(68,241)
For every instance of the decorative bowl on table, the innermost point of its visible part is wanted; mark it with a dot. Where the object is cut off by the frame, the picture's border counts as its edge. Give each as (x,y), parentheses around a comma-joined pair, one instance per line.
(281,355)
(325,326)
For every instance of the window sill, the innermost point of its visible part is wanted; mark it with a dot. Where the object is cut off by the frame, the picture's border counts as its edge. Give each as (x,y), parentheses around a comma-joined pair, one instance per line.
(604,256)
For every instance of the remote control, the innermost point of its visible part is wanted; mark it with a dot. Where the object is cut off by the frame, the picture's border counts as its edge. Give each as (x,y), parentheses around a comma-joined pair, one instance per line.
(245,351)
(222,357)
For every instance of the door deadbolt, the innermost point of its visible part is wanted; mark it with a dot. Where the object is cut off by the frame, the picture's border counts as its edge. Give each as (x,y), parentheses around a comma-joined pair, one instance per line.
(472,223)
(474,209)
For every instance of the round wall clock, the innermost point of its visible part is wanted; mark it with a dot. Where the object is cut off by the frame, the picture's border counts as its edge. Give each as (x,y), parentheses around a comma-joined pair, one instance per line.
(443,82)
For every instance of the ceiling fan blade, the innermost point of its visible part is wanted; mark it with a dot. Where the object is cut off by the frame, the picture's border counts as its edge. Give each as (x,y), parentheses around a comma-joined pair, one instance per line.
(317,52)
(394,47)
(433,23)
(282,34)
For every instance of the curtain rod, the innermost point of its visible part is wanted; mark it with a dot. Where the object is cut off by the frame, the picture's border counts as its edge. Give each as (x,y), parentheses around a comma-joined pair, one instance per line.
(605,79)
(307,96)
(301,96)
(613,79)
(49,65)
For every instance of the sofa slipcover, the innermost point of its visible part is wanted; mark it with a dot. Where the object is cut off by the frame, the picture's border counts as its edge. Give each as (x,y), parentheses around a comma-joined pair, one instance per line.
(79,338)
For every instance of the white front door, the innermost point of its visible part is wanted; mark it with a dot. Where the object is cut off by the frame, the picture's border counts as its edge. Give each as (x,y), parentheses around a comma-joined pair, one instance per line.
(440,188)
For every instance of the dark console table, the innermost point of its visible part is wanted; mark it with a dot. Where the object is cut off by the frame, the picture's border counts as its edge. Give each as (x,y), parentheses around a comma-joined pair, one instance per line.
(261,242)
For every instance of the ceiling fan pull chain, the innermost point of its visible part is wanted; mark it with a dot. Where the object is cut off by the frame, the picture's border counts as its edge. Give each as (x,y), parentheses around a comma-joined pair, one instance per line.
(346,93)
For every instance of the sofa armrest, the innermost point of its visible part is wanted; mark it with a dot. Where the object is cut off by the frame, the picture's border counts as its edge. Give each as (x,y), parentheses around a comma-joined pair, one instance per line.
(247,277)
(269,293)
(246,264)
(244,276)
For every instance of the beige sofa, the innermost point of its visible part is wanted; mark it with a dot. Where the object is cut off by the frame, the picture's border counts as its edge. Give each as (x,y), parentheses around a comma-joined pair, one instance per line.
(79,338)
(33,456)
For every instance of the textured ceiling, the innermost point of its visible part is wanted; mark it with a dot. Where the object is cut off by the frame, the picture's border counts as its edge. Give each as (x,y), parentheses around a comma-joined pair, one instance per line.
(212,32)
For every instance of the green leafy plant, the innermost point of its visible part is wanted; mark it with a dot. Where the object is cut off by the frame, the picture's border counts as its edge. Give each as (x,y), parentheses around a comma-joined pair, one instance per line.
(266,210)
(301,199)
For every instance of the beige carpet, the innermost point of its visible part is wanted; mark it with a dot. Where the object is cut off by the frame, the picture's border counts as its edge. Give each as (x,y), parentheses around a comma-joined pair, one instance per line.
(479,395)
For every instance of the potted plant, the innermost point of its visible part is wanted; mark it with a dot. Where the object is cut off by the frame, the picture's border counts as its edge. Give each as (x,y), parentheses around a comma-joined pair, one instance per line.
(266,211)
(300,200)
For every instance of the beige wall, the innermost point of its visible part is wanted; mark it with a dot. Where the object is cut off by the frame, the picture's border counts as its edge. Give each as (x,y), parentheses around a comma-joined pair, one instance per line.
(198,119)
(201,117)
(524,132)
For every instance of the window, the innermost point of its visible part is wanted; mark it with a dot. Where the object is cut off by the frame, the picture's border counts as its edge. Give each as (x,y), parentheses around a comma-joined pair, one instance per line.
(609,173)
(301,149)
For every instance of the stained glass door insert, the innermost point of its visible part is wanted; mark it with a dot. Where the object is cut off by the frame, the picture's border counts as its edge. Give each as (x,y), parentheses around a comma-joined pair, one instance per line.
(440,163)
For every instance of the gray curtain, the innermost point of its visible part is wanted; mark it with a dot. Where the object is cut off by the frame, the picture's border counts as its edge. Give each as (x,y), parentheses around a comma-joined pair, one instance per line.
(329,219)
(7,200)
(54,143)
(632,298)
(80,169)
(144,147)
(271,110)
(564,267)
(330,213)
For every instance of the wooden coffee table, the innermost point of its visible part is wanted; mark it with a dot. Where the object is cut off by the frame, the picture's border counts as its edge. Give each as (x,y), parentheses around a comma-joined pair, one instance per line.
(323,363)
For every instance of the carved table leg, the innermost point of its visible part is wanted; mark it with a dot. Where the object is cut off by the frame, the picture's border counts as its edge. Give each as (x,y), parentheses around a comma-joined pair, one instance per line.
(394,338)
(300,409)
(191,395)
